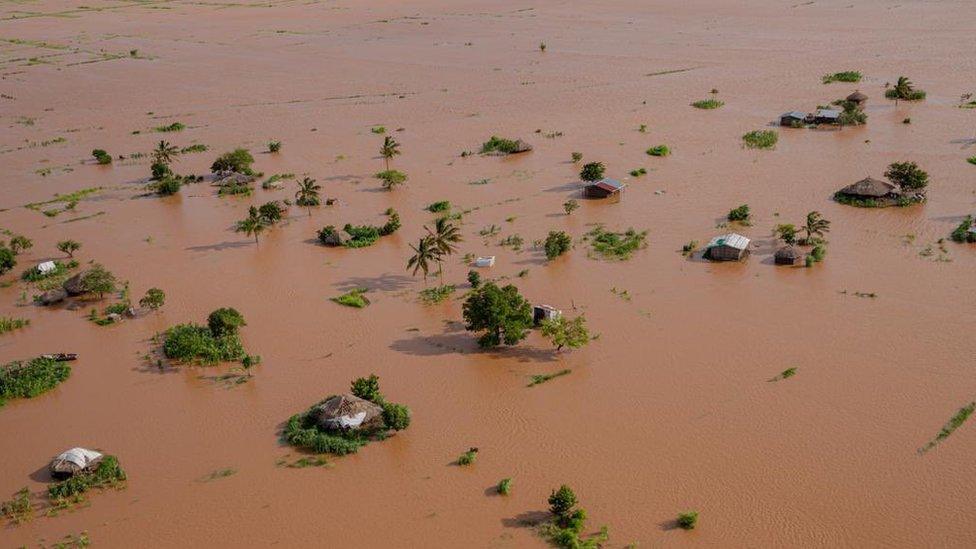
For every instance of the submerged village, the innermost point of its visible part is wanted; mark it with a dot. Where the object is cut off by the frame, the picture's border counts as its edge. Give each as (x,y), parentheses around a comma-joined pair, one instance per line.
(495,299)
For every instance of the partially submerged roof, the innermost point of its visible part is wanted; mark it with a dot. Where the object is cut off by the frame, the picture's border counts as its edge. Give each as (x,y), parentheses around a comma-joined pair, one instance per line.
(869,186)
(609,185)
(347,412)
(732,240)
(788,252)
(857,96)
(827,113)
(74,461)
(794,114)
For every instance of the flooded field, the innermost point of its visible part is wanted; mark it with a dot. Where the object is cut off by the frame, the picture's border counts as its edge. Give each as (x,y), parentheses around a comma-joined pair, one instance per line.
(669,408)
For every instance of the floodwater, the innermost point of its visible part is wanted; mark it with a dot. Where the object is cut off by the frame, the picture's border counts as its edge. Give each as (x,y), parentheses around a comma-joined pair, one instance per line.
(668,410)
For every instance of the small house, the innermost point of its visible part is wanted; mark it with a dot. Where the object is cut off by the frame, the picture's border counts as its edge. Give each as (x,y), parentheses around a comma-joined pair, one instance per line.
(868,187)
(74,461)
(792,119)
(858,99)
(727,247)
(46,267)
(541,313)
(826,116)
(788,255)
(346,412)
(486,261)
(603,188)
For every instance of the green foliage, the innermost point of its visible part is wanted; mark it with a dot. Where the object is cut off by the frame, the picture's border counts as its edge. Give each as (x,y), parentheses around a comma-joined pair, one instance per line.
(962,233)
(562,501)
(499,144)
(760,139)
(576,156)
(739,214)
(474,279)
(954,423)
(69,247)
(379,130)
(367,388)
(307,194)
(785,374)
(34,275)
(168,185)
(818,252)
(852,114)
(708,104)
(660,150)
(468,457)
(570,206)
(195,148)
(101,156)
(353,298)
(688,521)
(271,212)
(7,259)
(845,76)
(505,486)
(18,509)
(20,243)
(391,178)
(566,333)
(787,232)
(538,379)
(98,280)
(437,294)
(238,160)
(501,313)
(174,127)
(9,324)
(618,246)
(194,343)
(274,146)
(225,321)
(440,206)
(904,90)
(153,299)
(592,171)
(160,170)
(361,236)
(639,172)
(557,243)
(108,474)
(392,224)
(29,379)
(907,175)
(396,416)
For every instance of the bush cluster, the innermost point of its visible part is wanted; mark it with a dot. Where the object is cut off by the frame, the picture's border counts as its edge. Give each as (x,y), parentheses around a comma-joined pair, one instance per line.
(216,342)
(108,474)
(29,379)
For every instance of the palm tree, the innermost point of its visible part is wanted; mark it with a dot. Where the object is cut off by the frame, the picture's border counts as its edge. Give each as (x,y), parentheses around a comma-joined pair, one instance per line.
(424,252)
(444,237)
(252,225)
(816,225)
(308,194)
(389,149)
(164,153)
(903,88)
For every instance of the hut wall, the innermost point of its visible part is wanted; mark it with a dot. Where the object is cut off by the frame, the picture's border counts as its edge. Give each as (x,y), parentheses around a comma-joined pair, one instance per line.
(725,253)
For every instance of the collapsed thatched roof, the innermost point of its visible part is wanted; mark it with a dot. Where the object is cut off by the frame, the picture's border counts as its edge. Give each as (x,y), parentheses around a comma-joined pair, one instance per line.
(788,255)
(869,187)
(347,412)
(857,97)
(521,147)
(74,461)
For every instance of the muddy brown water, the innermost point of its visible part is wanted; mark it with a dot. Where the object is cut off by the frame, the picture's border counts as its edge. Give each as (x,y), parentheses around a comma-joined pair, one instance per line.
(668,410)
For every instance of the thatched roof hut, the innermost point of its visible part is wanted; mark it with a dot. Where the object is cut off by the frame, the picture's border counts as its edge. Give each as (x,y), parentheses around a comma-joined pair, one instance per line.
(76,285)
(858,98)
(788,255)
(869,187)
(347,412)
(76,460)
(521,147)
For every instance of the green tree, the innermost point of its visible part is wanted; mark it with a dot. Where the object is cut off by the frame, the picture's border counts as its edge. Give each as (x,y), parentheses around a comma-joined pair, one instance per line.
(20,243)
(445,237)
(389,149)
(474,278)
(501,313)
(69,247)
(903,88)
(592,171)
(562,501)
(164,153)
(557,243)
(153,299)
(98,280)
(392,179)
(396,416)
(271,212)
(907,175)
(7,259)
(570,206)
(308,194)
(252,225)
(238,160)
(423,253)
(787,232)
(566,333)
(816,226)
(225,322)
(367,388)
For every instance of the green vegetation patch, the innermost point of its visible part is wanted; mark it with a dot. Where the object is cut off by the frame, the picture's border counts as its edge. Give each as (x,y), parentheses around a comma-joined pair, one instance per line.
(69,201)
(617,246)
(439,206)
(9,324)
(353,298)
(499,144)
(660,150)
(962,233)
(29,379)
(108,474)
(845,76)
(437,294)
(174,127)
(708,104)
(538,379)
(468,457)
(760,139)
(954,423)
(785,374)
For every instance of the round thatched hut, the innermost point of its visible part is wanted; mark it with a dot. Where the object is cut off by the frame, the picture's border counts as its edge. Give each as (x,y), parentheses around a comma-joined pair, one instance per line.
(74,461)
(347,412)
(869,187)
(858,98)
(788,255)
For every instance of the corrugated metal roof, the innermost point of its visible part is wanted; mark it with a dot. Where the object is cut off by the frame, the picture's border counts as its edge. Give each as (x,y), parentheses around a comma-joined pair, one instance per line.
(794,114)
(610,184)
(827,113)
(732,240)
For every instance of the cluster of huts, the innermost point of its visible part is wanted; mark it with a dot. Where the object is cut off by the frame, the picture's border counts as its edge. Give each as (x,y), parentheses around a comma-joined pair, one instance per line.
(794,119)
(735,247)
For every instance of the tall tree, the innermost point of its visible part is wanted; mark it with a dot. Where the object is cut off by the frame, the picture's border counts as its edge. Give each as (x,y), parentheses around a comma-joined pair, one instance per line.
(308,194)
(816,225)
(164,153)
(252,225)
(20,243)
(444,237)
(787,232)
(501,313)
(69,247)
(423,253)
(389,149)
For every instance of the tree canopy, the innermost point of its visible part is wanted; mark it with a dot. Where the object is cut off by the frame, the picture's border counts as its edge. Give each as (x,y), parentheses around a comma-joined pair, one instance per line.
(501,313)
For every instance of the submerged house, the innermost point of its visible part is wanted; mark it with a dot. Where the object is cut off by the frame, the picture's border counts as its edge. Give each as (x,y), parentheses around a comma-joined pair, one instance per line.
(858,99)
(74,461)
(826,116)
(727,247)
(603,188)
(46,267)
(869,188)
(346,412)
(792,119)
(788,255)
(541,313)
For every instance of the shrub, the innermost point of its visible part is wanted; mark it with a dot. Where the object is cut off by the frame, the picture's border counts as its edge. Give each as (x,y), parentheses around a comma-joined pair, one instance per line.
(396,416)
(353,298)
(907,175)
(107,474)
(474,279)
(361,236)
(238,160)
(962,232)
(153,299)
(379,130)
(168,185)
(7,259)
(708,104)
(910,95)
(818,253)
(69,247)
(98,280)
(9,324)
(225,321)
(160,170)
(19,509)
(499,144)
(440,206)
(195,343)
(271,212)
(688,521)
(562,501)
(557,243)
(20,379)
(505,486)
(174,127)
(391,178)
(638,172)
(845,76)
(570,206)
(592,171)
(367,388)
(566,333)
(660,150)
(392,224)
(468,457)
(760,139)
(101,156)
(576,156)
(611,245)
(739,214)
(436,294)
(274,146)
(34,275)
